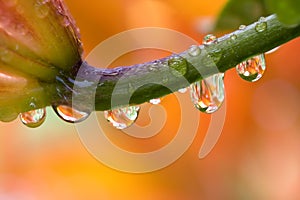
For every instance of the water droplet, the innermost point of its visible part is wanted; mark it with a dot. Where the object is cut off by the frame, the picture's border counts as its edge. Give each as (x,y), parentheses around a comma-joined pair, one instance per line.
(183,90)
(233,37)
(178,66)
(34,118)
(194,51)
(261,26)
(70,114)
(9,117)
(155,101)
(242,27)
(208,94)
(252,69)
(41,9)
(210,39)
(123,117)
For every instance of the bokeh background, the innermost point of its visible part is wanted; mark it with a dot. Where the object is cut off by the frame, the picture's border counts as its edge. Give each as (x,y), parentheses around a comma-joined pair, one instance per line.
(257,156)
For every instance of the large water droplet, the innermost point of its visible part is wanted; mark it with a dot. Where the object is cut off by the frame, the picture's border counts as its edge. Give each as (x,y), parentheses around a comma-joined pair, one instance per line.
(34,118)
(194,51)
(208,94)
(178,66)
(210,39)
(70,114)
(123,117)
(155,101)
(252,69)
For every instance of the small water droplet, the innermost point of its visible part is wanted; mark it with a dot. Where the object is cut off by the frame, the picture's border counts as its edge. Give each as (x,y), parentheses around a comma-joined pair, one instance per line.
(210,39)
(178,66)
(123,117)
(41,9)
(261,26)
(242,27)
(208,94)
(70,114)
(182,90)
(233,37)
(252,69)
(34,118)
(194,51)
(155,101)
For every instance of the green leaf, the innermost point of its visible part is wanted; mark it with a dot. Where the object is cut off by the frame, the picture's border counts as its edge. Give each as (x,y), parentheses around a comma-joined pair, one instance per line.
(288,11)
(238,12)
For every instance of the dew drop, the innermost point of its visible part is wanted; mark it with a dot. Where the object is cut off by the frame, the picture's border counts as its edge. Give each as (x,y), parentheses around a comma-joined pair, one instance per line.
(252,69)
(261,26)
(123,117)
(70,114)
(178,66)
(41,9)
(210,39)
(194,51)
(242,27)
(155,101)
(208,94)
(233,37)
(182,90)
(34,118)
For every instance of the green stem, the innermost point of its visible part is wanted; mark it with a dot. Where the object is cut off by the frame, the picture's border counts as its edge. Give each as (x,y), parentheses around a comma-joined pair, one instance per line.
(110,88)
(143,82)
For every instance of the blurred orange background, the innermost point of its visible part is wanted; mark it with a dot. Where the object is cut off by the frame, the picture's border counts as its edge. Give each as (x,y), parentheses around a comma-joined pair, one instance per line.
(257,156)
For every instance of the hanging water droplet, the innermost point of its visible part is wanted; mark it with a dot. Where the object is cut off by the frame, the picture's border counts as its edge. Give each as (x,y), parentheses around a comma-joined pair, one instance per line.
(194,51)
(210,39)
(34,118)
(182,90)
(252,69)
(9,117)
(208,94)
(70,114)
(261,26)
(123,117)
(178,66)
(41,9)
(242,27)
(155,101)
